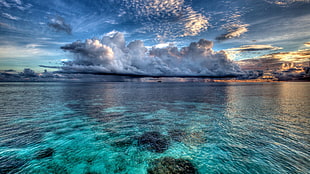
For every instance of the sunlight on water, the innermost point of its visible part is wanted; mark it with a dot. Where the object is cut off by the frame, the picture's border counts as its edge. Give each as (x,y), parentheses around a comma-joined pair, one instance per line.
(154,128)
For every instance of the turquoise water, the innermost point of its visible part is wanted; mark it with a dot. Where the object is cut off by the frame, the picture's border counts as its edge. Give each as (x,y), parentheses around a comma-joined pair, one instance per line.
(219,128)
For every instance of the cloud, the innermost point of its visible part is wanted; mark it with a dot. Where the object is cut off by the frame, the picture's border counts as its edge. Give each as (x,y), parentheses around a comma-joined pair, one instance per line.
(29,50)
(250,51)
(8,16)
(7,71)
(33,45)
(233,31)
(307,44)
(286,2)
(11,75)
(262,63)
(112,56)
(15,4)
(246,48)
(275,60)
(194,23)
(18,2)
(7,26)
(58,23)
(294,56)
(5,4)
(90,52)
(30,75)
(162,15)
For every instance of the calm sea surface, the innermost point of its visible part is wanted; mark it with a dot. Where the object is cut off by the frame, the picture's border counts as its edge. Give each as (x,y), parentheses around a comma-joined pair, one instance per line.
(139,128)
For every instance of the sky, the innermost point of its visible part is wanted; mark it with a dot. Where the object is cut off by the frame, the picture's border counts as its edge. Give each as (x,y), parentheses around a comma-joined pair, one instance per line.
(158,37)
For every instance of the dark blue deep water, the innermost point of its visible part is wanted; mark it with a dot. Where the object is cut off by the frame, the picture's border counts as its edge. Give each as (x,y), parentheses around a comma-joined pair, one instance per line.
(128,128)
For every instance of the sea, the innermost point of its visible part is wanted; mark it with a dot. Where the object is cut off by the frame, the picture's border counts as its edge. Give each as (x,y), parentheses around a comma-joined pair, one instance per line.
(151,127)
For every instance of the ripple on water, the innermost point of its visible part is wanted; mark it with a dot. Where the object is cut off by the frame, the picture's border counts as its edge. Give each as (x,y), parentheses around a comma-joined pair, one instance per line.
(99,132)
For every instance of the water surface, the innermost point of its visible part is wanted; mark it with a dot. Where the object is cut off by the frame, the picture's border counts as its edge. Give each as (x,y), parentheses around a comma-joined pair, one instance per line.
(97,127)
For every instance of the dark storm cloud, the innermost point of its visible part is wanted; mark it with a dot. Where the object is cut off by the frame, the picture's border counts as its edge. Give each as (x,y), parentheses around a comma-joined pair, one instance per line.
(29,75)
(111,55)
(58,23)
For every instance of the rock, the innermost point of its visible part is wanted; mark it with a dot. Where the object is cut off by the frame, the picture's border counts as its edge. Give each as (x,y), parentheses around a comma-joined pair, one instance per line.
(169,165)
(45,153)
(154,142)
(177,135)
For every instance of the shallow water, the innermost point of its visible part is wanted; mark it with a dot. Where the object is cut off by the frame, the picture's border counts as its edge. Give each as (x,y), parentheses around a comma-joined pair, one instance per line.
(97,127)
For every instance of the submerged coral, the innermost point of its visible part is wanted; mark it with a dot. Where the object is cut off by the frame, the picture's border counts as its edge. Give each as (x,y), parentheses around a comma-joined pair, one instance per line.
(154,141)
(169,165)
(177,135)
(44,153)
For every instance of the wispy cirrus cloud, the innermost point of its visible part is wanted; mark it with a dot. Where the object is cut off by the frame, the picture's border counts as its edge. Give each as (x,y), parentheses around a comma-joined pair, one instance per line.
(285,2)
(293,56)
(8,16)
(250,51)
(233,31)
(5,4)
(15,4)
(29,50)
(307,44)
(19,2)
(7,26)
(249,48)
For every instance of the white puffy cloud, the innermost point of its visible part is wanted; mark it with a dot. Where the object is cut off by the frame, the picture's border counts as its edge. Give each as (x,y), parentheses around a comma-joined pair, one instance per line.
(90,52)
(112,55)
